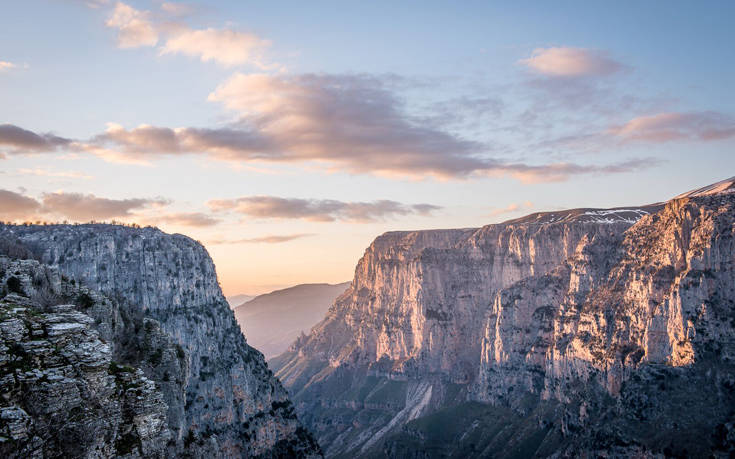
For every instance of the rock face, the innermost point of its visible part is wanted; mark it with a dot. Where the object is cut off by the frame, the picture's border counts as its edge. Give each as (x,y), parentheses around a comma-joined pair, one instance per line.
(274,320)
(64,393)
(163,311)
(592,326)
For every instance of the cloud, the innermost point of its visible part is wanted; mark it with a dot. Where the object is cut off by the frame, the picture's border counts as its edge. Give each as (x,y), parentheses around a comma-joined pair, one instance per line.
(135,28)
(177,9)
(145,141)
(5,65)
(142,28)
(16,206)
(560,172)
(513,207)
(571,62)
(194,219)
(272,239)
(351,121)
(665,127)
(54,174)
(324,210)
(85,207)
(14,139)
(94,4)
(226,47)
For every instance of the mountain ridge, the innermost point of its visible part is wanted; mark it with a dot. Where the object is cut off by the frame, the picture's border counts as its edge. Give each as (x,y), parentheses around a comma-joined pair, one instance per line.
(272,321)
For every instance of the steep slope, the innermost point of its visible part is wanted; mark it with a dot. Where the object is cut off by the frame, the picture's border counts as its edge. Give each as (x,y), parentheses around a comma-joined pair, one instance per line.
(274,320)
(405,339)
(232,405)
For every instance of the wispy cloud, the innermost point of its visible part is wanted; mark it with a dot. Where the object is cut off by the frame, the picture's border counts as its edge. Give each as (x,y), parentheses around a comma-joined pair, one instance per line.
(513,207)
(193,219)
(271,239)
(54,174)
(5,65)
(571,62)
(319,210)
(560,172)
(177,9)
(666,127)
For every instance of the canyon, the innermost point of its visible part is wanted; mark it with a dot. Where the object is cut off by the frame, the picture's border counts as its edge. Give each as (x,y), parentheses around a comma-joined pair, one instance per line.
(584,332)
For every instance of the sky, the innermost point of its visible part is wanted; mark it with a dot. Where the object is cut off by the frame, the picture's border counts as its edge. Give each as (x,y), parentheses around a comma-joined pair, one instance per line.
(286,136)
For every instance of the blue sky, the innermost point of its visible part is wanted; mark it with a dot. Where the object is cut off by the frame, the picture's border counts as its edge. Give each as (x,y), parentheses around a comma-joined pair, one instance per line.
(287,135)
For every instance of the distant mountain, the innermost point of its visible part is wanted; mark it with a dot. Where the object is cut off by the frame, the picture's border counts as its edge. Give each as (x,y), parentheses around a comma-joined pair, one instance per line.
(237,300)
(274,320)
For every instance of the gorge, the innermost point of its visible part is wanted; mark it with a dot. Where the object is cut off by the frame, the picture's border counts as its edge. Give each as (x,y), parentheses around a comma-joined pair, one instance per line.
(586,332)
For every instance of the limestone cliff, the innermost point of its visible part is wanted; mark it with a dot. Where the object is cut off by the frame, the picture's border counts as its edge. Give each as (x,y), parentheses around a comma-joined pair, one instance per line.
(220,398)
(407,336)
(595,328)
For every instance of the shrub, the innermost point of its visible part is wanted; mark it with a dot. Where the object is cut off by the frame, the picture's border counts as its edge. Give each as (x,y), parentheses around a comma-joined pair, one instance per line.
(85,300)
(14,285)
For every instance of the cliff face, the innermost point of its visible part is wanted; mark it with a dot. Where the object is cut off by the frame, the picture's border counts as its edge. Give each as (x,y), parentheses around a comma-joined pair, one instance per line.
(647,322)
(64,390)
(227,402)
(591,331)
(663,295)
(407,336)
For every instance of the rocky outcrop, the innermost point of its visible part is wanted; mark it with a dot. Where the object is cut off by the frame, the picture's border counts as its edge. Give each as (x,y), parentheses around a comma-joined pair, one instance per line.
(64,393)
(156,297)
